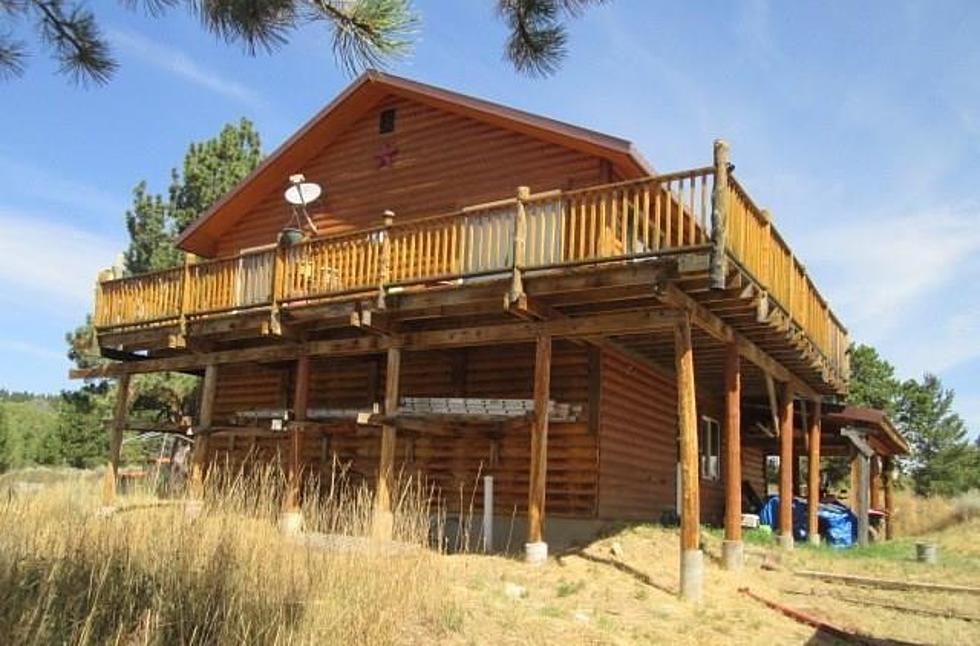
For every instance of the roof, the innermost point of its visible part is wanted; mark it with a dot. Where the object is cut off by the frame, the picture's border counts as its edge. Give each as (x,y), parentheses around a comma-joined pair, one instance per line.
(361,95)
(888,439)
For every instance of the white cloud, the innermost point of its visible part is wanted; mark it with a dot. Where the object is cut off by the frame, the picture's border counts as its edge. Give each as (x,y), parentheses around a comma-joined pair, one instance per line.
(180,64)
(31,350)
(50,261)
(43,186)
(882,267)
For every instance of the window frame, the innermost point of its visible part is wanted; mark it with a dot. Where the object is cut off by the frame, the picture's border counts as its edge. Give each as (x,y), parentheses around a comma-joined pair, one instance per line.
(709,446)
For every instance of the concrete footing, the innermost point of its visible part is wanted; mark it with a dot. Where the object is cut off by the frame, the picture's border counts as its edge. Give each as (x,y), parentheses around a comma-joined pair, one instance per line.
(290,522)
(193,508)
(786,541)
(732,555)
(813,539)
(692,574)
(535,553)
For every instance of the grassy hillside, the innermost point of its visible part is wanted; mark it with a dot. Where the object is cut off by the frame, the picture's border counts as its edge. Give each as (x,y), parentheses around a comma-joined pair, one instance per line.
(150,574)
(29,421)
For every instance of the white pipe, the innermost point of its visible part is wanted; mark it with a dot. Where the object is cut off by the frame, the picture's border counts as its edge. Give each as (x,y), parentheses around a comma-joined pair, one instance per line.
(487,513)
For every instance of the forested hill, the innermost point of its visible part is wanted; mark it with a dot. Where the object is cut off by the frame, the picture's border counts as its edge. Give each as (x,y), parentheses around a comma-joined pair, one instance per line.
(28,429)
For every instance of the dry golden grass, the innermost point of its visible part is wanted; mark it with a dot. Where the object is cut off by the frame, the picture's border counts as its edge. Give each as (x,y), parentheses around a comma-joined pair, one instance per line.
(149,574)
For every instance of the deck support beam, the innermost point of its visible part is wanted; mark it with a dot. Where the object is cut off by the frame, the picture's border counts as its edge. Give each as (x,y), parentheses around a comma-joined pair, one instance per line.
(291,520)
(813,476)
(692,566)
(120,416)
(732,548)
(202,433)
(383,522)
(786,460)
(888,476)
(536,549)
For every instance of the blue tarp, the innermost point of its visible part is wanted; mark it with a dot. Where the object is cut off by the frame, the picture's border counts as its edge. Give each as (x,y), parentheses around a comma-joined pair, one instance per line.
(838,525)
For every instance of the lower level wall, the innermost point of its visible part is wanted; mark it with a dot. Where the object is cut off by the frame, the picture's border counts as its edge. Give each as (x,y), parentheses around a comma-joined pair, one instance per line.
(638,454)
(454,465)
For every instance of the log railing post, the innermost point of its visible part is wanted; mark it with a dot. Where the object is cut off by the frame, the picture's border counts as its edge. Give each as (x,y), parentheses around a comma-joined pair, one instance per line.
(119,419)
(291,521)
(719,216)
(186,294)
(201,437)
(786,459)
(383,523)
(536,549)
(692,559)
(519,251)
(278,288)
(813,475)
(384,273)
(732,549)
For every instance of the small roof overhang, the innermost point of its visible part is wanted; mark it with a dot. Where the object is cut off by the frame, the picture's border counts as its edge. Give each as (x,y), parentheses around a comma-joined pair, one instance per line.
(883,436)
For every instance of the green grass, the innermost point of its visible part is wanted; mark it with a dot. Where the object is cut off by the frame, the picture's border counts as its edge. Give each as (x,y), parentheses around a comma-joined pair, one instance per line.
(568,588)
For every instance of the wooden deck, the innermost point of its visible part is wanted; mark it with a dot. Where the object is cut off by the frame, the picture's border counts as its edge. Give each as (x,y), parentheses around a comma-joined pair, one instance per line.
(666,221)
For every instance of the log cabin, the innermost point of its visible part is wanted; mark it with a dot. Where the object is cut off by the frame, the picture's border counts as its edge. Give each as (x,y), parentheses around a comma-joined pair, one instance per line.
(483,292)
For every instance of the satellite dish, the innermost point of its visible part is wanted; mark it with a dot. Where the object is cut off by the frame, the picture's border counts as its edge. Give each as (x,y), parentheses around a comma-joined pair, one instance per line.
(303,193)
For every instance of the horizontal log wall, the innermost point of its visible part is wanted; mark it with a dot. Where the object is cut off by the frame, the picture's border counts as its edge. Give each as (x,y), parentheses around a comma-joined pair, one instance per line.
(637,441)
(638,445)
(453,464)
(443,162)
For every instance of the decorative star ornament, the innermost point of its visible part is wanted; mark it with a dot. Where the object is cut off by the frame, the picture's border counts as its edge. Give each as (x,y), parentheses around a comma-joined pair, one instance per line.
(386,156)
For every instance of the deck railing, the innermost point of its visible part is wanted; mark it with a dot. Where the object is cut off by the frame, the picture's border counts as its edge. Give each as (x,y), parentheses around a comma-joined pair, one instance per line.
(759,248)
(625,220)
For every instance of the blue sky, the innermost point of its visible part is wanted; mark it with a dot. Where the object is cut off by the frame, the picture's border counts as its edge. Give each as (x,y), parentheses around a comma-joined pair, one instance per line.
(856,124)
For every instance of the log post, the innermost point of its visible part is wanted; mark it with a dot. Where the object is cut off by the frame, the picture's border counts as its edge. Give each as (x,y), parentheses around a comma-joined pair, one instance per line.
(888,475)
(383,517)
(201,433)
(291,521)
(875,483)
(732,549)
(813,476)
(786,467)
(120,415)
(719,217)
(863,499)
(536,549)
(692,566)
(520,246)
(384,275)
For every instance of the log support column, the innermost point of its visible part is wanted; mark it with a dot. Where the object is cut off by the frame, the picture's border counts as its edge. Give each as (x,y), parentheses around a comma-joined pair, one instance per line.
(291,520)
(383,522)
(888,478)
(120,416)
(813,476)
(732,548)
(201,436)
(864,497)
(786,460)
(536,549)
(692,559)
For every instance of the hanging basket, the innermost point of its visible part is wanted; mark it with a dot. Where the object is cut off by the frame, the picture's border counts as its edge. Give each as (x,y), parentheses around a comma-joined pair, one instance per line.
(290,236)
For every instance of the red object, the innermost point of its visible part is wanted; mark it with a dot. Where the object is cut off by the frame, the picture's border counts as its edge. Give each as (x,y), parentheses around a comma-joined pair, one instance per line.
(386,156)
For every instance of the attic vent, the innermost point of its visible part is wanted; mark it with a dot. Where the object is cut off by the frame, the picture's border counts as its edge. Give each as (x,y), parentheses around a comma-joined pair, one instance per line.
(386,122)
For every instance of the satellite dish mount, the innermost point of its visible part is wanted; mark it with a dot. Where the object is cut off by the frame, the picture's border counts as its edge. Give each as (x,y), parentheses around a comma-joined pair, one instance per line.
(298,195)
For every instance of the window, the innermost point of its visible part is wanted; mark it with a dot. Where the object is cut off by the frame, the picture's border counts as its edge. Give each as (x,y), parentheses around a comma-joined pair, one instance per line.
(709,447)
(386,122)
